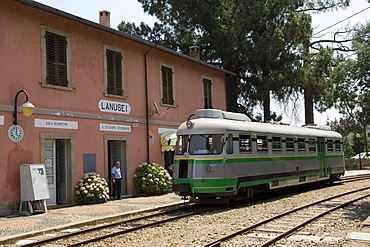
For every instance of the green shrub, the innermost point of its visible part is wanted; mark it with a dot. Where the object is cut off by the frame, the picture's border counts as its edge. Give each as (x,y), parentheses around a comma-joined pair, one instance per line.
(152,179)
(92,189)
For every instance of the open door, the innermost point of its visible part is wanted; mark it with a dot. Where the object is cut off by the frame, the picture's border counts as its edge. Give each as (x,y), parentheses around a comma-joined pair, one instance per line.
(117,151)
(57,156)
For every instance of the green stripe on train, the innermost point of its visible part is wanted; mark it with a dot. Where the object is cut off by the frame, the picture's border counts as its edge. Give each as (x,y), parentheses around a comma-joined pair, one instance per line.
(255,159)
(220,185)
(208,185)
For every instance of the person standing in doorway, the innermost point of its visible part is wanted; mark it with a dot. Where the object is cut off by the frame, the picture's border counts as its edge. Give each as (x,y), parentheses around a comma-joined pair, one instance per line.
(116,180)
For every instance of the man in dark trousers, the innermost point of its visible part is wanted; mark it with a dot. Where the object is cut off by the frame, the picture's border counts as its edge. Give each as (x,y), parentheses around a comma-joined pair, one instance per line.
(116,180)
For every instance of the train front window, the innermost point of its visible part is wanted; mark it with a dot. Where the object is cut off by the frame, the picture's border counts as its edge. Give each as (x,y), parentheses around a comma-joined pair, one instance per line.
(205,144)
(181,144)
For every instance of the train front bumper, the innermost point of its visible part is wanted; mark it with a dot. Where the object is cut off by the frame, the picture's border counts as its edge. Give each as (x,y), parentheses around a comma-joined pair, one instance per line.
(205,188)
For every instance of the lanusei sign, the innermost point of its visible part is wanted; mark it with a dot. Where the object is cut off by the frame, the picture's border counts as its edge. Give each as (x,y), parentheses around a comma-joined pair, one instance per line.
(114,107)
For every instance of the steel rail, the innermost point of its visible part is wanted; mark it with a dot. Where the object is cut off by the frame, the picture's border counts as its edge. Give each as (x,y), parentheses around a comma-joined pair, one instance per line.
(254,226)
(103,226)
(136,228)
(355,178)
(287,233)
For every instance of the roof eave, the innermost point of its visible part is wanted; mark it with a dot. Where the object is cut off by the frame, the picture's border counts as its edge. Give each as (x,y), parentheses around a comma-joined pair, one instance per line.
(92,24)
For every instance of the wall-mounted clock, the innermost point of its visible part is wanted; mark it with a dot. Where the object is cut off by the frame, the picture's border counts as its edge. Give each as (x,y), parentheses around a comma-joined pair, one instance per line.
(15,133)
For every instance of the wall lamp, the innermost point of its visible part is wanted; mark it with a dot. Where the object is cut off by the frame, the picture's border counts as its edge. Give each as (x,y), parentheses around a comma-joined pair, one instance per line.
(27,107)
(15,131)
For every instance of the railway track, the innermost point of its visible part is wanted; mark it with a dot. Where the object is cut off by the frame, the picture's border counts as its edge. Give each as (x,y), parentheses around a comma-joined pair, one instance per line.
(272,230)
(78,237)
(88,234)
(355,178)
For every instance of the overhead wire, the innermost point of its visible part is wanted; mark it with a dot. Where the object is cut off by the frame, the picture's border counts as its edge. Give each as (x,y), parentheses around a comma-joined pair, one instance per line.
(341,21)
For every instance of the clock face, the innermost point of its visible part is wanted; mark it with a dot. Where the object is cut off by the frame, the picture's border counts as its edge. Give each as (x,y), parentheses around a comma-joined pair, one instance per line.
(15,133)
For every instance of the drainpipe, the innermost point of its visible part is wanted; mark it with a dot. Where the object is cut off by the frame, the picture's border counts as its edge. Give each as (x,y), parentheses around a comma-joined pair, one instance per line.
(147,106)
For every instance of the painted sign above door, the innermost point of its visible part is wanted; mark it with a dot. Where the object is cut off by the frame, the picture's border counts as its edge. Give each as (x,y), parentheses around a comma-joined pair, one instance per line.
(114,106)
(56,124)
(115,127)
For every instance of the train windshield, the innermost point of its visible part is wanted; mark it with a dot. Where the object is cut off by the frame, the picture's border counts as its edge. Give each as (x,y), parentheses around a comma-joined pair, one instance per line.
(205,144)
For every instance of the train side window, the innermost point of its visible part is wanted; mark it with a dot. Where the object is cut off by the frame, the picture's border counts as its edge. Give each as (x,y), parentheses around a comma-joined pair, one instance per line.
(330,145)
(290,145)
(245,144)
(262,144)
(181,144)
(311,145)
(276,144)
(229,144)
(301,145)
(337,146)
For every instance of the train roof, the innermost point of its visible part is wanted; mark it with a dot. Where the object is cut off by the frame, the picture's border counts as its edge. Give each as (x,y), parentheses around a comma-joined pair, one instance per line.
(211,121)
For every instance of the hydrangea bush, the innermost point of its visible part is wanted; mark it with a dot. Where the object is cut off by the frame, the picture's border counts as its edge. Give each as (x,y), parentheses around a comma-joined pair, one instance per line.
(152,179)
(92,189)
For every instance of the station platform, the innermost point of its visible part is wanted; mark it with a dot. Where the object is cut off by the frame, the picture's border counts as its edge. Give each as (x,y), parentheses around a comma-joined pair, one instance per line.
(23,225)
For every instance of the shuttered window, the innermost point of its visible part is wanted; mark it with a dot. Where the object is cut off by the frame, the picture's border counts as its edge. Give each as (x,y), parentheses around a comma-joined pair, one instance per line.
(167,85)
(56,59)
(207,93)
(114,72)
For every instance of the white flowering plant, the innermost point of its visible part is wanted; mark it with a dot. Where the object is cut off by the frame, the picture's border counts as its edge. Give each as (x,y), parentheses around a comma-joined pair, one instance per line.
(152,179)
(92,189)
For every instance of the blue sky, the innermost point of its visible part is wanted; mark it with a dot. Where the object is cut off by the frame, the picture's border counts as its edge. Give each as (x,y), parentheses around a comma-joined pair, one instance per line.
(131,11)
(121,10)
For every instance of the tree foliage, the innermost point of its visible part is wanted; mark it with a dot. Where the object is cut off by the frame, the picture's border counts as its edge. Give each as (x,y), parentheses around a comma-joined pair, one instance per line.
(264,42)
(351,88)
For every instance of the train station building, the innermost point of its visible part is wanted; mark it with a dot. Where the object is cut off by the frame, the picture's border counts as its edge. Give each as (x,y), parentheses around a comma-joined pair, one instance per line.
(100,95)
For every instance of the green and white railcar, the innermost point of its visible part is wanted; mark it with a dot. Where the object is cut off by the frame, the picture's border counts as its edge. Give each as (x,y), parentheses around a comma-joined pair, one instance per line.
(223,155)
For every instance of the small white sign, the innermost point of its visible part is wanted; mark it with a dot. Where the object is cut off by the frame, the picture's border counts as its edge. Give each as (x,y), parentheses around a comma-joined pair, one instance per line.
(1,120)
(115,127)
(114,106)
(46,123)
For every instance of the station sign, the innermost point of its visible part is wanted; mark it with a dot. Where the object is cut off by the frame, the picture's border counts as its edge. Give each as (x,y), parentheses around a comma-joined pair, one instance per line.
(115,127)
(114,107)
(55,124)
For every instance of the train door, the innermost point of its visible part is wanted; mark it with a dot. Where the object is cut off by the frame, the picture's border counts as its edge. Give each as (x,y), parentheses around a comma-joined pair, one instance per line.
(321,154)
(117,151)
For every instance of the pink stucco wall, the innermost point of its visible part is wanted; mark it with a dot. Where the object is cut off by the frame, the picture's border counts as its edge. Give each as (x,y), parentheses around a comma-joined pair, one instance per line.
(21,68)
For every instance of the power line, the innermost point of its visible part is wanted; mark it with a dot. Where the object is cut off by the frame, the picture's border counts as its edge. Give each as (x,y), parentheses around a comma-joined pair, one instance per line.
(341,21)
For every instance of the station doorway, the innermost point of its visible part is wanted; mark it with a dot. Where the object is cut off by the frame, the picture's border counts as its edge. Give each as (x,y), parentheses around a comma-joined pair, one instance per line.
(117,152)
(57,163)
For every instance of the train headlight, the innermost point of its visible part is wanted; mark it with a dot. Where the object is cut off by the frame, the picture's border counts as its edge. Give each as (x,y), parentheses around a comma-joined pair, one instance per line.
(189,124)
(211,168)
